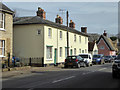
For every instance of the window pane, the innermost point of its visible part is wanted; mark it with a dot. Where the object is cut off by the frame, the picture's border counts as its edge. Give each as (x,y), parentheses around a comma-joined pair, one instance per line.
(2,49)
(49,52)
(80,39)
(1,20)
(49,32)
(1,24)
(60,51)
(61,34)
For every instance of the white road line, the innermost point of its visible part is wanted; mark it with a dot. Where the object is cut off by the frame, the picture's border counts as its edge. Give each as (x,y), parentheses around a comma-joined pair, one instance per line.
(63,79)
(102,69)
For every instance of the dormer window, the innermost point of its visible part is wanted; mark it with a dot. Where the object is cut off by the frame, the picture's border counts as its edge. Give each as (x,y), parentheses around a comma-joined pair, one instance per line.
(2,21)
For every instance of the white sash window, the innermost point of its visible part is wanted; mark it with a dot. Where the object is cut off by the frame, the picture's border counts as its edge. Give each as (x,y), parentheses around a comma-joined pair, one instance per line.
(2,48)
(49,52)
(2,19)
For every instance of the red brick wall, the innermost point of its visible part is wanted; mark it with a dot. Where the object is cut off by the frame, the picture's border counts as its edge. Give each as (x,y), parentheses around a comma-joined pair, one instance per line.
(104,51)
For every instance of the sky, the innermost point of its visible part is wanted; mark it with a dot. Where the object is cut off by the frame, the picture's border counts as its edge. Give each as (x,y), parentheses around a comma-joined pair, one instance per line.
(97,16)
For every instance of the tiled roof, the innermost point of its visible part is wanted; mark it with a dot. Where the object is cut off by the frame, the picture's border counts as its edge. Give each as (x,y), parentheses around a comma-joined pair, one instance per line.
(39,20)
(4,8)
(91,46)
(108,42)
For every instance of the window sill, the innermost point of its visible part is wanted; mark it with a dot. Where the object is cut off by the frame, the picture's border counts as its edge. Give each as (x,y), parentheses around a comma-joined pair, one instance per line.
(1,56)
(49,59)
(2,29)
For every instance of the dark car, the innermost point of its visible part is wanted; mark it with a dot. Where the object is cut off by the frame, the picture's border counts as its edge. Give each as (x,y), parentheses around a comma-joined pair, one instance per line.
(116,67)
(98,59)
(108,59)
(72,61)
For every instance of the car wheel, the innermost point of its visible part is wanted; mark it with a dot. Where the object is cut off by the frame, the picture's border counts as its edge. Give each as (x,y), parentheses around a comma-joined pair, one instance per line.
(90,64)
(84,65)
(65,66)
(114,75)
(78,65)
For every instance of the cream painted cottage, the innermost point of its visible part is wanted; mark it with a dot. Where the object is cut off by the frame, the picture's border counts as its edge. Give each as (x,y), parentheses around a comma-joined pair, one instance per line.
(37,37)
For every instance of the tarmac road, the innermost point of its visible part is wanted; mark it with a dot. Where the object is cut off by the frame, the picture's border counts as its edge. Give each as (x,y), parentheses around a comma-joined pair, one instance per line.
(96,76)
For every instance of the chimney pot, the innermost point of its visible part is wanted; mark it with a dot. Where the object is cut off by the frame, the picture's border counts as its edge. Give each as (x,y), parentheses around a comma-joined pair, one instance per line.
(72,24)
(41,13)
(59,20)
(105,34)
(84,29)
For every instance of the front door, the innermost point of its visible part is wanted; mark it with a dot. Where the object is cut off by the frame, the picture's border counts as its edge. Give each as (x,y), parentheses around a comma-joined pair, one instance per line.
(55,56)
(71,52)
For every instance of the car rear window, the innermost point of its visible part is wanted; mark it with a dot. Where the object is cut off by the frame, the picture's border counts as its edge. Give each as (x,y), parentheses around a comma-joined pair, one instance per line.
(96,56)
(107,56)
(84,56)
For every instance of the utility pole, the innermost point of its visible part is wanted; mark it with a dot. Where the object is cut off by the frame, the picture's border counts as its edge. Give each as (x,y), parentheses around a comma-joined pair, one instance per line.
(67,36)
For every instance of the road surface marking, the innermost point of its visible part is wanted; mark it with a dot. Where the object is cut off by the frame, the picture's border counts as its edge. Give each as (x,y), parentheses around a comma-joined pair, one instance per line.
(63,79)
(102,69)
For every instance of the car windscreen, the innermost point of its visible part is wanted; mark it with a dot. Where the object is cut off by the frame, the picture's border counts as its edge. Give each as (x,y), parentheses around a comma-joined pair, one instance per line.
(107,56)
(96,56)
(84,56)
(71,57)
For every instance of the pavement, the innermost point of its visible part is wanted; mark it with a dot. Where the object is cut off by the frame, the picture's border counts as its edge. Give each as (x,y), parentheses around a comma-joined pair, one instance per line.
(19,71)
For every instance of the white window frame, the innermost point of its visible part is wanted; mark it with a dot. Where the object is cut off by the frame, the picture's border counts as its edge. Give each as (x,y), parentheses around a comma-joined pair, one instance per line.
(85,40)
(49,52)
(74,51)
(49,32)
(79,50)
(60,51)
(74,37)
(60,35)
(2,47)
(80,39)
(3,21)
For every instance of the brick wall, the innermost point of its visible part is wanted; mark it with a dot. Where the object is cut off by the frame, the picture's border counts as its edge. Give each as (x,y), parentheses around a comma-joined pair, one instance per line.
(104,51)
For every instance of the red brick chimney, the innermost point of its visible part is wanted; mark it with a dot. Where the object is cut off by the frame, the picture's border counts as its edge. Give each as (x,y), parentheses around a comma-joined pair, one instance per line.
(84,29)
(72,24)
(105,34)
(41,13)
(59,20)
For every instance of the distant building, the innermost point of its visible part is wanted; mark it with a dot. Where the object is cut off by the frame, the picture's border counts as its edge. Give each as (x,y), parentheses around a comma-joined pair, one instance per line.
(6,31)
(92,48)
(105,45)
(37,37)
(93,37)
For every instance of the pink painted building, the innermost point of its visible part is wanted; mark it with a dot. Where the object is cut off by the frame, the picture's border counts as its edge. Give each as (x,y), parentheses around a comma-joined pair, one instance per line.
(105,45)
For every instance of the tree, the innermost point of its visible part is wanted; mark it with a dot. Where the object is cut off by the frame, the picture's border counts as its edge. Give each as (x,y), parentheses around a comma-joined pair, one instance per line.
(113,38)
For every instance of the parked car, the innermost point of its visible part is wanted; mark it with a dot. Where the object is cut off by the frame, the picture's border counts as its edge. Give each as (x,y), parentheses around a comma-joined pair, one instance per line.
(72,61)
(87,59)
(116,67)
(108,59)
(114,57)
(98,59)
